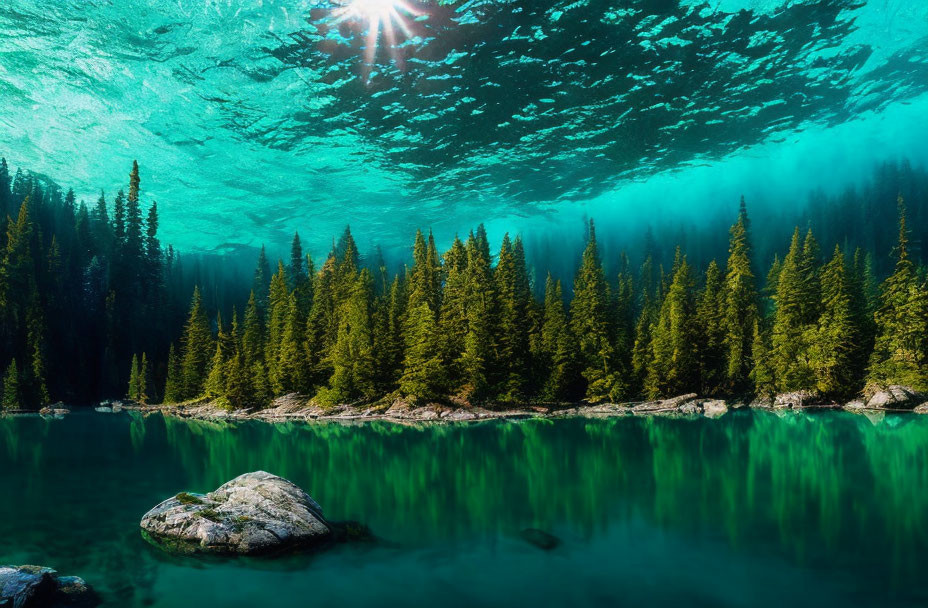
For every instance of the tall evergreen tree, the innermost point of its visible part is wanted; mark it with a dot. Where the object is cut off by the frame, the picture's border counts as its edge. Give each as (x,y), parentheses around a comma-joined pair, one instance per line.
(11,395)
(762,374)
(793,321)
(353,373)
(291,368)
(134,379)
(900,350)
(278,304)
(515,302)
(674,366)
(710,330)
(589,316)
(173,385)
(198,347)
(453,316)
(558,346)
(838,336)
(741,302)
(261,283)
(477,358)
(422,377)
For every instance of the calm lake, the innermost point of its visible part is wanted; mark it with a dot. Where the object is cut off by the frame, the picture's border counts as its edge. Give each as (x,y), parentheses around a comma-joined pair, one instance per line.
(753,509)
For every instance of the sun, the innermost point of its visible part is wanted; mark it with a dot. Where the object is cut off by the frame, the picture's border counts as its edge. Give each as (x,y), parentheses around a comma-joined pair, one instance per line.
(387,16)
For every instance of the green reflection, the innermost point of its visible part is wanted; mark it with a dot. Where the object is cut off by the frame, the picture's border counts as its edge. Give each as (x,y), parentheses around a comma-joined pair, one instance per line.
(831,492)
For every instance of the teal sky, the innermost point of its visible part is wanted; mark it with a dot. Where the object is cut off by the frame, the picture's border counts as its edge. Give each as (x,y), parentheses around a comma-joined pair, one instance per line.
(254,119)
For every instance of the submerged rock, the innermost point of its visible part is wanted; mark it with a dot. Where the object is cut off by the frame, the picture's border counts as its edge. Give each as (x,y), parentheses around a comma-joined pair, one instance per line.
(251,514)
(35,586)
(539,538)
(895,397)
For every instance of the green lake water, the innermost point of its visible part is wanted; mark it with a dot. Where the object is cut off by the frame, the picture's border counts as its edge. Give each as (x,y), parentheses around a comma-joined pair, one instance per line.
(753,509)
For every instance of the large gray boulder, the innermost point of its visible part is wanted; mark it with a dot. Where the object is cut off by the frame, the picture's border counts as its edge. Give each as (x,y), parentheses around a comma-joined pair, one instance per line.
(895,397)
(35,587)
(254,513)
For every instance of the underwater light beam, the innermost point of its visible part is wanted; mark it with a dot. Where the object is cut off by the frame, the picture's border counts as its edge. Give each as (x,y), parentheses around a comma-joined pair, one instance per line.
(388,14)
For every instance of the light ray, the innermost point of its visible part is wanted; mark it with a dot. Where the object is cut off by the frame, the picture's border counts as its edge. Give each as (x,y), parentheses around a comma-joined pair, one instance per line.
(386,15)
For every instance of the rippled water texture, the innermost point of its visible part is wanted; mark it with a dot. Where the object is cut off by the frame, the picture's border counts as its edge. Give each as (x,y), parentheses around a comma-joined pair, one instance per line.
(753,509)
(255,118)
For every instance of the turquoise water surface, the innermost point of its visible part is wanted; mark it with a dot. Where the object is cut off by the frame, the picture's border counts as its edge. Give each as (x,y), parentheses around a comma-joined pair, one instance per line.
(753,509)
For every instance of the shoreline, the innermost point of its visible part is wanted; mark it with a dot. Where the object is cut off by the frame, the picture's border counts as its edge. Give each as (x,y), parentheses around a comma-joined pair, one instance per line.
(299,408)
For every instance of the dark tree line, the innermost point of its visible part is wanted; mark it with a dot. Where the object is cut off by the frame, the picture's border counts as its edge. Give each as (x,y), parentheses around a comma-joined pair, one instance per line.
(91,305)
(82,288)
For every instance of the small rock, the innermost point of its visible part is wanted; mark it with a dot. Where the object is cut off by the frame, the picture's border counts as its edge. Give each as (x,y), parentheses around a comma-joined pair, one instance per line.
(795,399)
(921,409)
(714,408)
(253,513)
(38,587)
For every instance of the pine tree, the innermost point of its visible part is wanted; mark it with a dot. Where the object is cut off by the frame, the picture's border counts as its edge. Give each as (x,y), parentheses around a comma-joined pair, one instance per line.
(119,218)
(453,316)
(710,325)
(741,302)
(153,254)
(641,349)
(558,346)
(422,377)
(292,373)
(238,391)
(389,342)
(514,298)
(36,386)
(321,326)
(215,385)
(624,321)
(198,348)
(133,394)
(133,238)
(353,373)
(477,358)
(837,337)
(143,379)
(589,316)
(791,322)
(11,393)
(262,280)
(278,304)
(173,385)
(300,283)
(5,194)
(900,350)
(102,231)
(674,366)
(253,334)
(762,374)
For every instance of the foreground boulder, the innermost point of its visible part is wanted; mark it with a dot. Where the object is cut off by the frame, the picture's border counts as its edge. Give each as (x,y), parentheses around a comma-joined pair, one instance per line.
(252,514)
(895,397)
(35,586)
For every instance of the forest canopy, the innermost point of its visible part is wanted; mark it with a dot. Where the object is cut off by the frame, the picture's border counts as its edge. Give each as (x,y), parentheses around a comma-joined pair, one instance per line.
(92,306)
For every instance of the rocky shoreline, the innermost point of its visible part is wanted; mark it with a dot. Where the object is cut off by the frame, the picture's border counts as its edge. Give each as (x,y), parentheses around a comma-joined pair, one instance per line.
(299,408)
